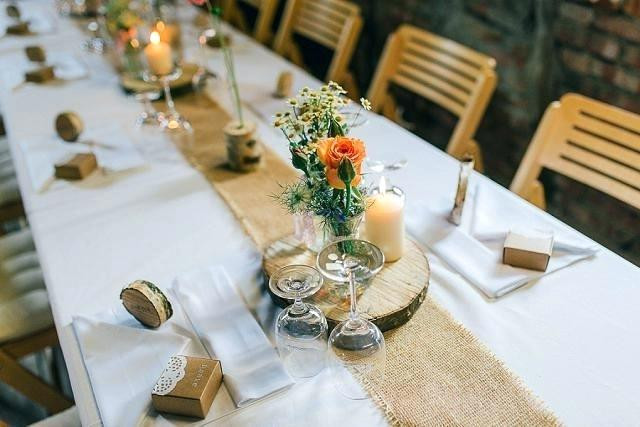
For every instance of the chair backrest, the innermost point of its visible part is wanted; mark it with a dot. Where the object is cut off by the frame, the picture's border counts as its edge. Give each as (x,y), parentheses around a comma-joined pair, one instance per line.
(335,24)
(266,12)
(447,73)
(589,141)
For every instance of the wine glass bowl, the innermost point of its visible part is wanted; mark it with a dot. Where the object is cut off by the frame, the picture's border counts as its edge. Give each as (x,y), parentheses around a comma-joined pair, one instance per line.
(356,347)
(301,328)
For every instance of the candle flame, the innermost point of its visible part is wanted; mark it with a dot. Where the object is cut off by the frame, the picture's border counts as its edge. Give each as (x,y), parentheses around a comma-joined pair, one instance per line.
(154,37)
(382,185)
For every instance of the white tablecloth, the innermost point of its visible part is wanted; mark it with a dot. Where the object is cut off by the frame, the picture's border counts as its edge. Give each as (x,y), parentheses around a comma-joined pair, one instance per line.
(571,337)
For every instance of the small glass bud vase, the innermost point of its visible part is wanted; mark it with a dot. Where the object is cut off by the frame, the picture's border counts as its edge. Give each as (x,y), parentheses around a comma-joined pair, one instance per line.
(336,229)
(244,150)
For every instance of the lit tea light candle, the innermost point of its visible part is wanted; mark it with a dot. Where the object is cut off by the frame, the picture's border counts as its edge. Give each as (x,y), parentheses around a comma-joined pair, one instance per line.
(158,54)
(384,221)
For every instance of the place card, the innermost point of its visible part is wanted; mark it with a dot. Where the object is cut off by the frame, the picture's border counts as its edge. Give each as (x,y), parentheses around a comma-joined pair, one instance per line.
(187,386)
(69,126)
(35,53)
(77,167)
(146,302)
(13,11)
(528,249)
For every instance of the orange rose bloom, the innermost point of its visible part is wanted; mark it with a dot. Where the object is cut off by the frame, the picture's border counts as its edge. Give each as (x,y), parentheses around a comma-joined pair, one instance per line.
(332,150)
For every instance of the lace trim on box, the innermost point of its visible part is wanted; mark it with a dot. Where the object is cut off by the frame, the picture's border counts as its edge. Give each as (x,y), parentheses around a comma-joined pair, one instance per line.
(173,373)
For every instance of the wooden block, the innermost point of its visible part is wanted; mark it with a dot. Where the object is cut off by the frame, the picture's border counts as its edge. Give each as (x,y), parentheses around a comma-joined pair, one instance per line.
(41,75)
(78,167)
(69,126)
(284,85)
(531,250)
(146,302)
(35,53)
(19,29)
(193,394)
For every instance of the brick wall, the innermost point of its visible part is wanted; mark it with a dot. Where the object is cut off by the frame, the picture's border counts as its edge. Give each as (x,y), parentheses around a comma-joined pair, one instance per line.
(543,48)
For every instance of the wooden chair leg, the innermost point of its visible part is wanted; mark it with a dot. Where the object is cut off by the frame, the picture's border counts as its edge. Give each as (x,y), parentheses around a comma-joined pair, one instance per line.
(349,83)
(536,196)
(476,152)
(13,374)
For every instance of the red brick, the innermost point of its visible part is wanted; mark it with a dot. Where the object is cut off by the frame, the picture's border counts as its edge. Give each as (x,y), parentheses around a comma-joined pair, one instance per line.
(631,56)
(604,46)
(576,61)
(603,70)
(619,25)
(568,32)
(576,12)
(627,80)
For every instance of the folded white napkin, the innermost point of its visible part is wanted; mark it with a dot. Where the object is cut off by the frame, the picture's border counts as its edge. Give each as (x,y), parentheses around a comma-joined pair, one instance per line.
(252,369)
(474,249)
(113,148)
(66,67)
(124,360)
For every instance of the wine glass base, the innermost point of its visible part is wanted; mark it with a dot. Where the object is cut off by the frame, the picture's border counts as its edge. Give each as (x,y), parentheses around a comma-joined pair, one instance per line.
(175,123)
(148,119)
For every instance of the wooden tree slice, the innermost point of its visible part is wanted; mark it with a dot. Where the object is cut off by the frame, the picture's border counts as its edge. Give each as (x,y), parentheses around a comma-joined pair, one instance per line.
(389,300)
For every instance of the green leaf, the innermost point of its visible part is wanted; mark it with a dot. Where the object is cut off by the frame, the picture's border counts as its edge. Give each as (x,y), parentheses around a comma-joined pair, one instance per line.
(346,171)
(335,128)
(299,160)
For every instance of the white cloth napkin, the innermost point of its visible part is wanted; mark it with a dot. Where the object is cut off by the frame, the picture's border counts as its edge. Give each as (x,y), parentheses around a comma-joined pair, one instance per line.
(66,67)
(124,360)
(474,249)
(251,366)
(113,148)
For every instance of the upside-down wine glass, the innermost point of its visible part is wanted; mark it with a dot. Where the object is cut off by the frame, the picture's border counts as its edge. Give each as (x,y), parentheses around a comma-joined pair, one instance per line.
(356,345)
(301,328)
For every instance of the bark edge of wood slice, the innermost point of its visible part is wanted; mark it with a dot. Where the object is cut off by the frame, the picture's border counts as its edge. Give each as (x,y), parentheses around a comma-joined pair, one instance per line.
(389,300)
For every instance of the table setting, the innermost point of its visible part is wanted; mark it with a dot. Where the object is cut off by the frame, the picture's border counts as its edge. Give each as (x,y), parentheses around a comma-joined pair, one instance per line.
(293,249)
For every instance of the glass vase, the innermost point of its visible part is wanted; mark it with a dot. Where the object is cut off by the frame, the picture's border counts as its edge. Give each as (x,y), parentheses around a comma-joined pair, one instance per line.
(315,231)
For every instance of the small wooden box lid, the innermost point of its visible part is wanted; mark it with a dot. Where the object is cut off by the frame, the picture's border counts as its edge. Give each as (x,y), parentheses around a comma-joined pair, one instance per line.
(528,249)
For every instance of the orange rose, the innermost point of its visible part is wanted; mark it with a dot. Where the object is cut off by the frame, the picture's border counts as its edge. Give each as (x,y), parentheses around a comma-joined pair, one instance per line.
(332,150)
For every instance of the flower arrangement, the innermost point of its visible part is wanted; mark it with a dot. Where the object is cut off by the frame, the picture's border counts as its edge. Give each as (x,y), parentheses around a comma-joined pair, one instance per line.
(331,162)
(216,19)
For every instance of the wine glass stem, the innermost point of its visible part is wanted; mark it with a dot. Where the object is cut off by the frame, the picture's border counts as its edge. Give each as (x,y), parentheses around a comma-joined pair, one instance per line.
(298,307)
(171,108)
(353,312)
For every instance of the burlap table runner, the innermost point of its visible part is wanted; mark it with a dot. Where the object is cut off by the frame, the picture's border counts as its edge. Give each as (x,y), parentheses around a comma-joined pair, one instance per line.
(437,372)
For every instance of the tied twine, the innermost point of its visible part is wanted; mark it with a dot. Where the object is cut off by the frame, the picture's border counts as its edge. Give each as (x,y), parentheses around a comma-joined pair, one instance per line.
(437,372)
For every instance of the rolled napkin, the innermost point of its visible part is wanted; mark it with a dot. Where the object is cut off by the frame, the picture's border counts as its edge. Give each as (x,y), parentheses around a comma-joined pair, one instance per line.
(113,148)
(252,368)
(124,360)
(474,249)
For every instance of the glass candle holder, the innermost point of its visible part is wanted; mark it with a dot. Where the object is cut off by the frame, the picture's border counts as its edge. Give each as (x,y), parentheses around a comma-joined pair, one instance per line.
(384,220)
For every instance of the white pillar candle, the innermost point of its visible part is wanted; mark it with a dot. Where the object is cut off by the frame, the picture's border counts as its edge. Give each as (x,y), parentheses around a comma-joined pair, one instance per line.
(158,54)
(384,221)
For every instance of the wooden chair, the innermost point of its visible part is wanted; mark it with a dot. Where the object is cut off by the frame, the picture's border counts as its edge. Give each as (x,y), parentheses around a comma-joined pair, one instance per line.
(589,141)
(26,324)
(266,12)
(335,24)
(449,74)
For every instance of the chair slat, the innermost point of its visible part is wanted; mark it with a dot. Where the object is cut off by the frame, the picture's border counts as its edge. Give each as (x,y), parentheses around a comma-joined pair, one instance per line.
(336,8)
(449,47)
(314,31)
(597,162)
(429,92)
(463,81)
(443,59)
(604,147)
(459,95)
(322,20)
(604,128)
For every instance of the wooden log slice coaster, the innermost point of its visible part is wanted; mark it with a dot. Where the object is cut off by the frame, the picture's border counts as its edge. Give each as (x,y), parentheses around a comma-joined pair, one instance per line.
(389,300)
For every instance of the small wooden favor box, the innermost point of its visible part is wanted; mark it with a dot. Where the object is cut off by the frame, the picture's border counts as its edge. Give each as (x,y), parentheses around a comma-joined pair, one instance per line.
(77,167)
(530,250)
(187,386)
